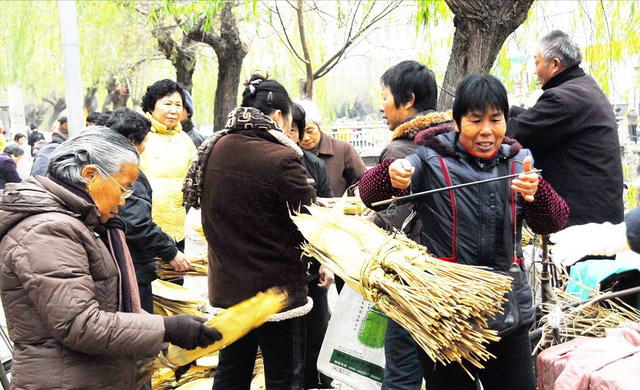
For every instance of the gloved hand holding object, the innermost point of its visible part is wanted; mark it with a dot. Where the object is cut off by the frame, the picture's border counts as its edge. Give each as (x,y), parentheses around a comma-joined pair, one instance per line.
(189,332)
(576,242)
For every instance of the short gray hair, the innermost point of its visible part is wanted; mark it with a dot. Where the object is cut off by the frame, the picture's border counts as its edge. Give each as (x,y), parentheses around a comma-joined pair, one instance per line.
(312,111)
(97,145)
(557,44)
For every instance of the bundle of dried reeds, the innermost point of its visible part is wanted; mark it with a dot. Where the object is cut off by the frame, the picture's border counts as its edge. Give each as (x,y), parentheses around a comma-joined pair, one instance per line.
(444,306)
(568,319)
(234,323)
(199,267)
(170,298)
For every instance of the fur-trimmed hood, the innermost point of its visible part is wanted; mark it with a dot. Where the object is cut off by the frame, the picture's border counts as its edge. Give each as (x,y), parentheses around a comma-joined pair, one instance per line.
(410,128)
(429,138)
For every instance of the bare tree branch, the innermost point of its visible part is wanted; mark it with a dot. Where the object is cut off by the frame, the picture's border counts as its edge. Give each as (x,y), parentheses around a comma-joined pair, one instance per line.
(335,59)
(289,45)
(308,88)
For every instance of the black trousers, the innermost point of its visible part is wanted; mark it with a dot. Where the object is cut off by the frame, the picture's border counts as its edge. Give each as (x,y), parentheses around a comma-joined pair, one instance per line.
(511,369)
(317,323)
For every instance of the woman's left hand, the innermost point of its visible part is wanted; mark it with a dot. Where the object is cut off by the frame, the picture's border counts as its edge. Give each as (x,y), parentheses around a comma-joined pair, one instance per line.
(326,276)
(527,183)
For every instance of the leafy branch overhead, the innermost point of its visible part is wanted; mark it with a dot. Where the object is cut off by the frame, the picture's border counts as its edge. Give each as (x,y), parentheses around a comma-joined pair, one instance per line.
(361,17)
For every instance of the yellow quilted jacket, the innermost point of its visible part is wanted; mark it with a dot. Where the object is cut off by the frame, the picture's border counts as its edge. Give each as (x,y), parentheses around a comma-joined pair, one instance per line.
(165,162)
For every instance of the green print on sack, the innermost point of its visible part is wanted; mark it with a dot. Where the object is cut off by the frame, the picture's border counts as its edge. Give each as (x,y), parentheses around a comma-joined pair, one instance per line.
(373,328)
(357,365)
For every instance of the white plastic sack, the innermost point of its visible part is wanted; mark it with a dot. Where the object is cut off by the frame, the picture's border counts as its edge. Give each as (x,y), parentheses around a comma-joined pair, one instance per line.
(353,347)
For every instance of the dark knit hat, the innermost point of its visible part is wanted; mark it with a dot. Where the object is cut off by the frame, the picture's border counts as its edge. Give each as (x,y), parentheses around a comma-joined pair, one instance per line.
(188,102)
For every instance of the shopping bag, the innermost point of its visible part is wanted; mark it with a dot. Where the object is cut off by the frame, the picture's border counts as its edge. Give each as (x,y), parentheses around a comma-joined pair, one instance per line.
(353,347)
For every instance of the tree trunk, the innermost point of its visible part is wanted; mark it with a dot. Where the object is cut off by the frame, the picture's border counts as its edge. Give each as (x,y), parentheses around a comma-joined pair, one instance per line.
(230,51)
(59,104)
(481,29)
(90,100)
(306,84)
(182,56)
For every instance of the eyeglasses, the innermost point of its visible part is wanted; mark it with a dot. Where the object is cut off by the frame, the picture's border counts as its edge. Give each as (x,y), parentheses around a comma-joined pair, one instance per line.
(125,193)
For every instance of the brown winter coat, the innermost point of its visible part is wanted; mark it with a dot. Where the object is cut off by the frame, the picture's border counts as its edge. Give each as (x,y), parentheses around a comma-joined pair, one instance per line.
(344,165)
(60,291)
(250,184)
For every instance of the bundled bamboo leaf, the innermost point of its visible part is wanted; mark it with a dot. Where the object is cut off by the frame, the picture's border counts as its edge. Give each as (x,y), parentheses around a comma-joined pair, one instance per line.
(163,379)
(444,306)
(234,323)
(199,267)
(567,320)
(170,299)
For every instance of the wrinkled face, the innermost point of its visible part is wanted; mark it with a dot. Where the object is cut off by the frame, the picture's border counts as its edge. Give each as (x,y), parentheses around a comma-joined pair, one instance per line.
(482,134)
(311,136)
(545,71)
(168,110)
(294,134)
(394,115)
(105,191)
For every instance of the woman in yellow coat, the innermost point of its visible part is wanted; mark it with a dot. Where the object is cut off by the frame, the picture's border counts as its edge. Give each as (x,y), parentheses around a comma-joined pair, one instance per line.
(167,156)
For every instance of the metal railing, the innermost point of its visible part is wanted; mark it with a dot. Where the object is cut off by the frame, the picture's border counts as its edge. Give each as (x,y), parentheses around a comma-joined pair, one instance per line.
(362,135)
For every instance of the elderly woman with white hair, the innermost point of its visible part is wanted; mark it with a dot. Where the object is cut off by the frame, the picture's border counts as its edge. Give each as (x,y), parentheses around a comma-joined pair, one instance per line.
(67,282)
(343,163)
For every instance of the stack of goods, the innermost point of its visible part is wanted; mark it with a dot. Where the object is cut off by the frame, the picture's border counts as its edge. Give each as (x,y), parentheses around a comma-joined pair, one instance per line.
(170,298)
(567,321)
(444,306)
(233,323)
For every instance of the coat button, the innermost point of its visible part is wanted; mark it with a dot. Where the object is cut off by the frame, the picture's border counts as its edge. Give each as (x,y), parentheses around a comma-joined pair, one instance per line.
(493,207)
(492,195)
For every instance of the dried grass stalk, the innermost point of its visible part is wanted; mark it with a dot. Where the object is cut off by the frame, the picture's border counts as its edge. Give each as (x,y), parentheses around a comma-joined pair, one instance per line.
(199,267)
(566,322)
(234,323)
(444,306)
(170,298)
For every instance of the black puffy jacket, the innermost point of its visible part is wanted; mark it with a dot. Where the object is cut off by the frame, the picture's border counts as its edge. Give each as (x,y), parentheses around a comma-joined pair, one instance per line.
(145,239)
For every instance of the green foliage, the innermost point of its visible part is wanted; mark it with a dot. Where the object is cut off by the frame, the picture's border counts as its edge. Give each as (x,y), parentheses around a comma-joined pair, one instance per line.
(431,12)
(30,43)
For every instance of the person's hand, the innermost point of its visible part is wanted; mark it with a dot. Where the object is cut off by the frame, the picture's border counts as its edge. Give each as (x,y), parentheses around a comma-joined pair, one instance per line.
(527,183)
(189,332)
(326,276)
(400,172)
(180,262)
(368,212)
(326,202)
(576,242)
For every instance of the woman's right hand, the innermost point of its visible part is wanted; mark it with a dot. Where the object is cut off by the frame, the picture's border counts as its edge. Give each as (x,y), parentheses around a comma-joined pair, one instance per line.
(180,262)
(400,172)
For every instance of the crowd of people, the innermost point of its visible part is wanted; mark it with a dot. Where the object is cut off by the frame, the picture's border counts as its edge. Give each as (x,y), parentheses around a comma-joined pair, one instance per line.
(81,235)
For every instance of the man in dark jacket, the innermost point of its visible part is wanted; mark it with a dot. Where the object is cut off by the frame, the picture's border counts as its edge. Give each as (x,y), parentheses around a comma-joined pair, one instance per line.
(572,134)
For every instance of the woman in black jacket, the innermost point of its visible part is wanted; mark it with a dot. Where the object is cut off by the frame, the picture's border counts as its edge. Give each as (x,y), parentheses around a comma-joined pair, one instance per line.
(8,165)
(145,239)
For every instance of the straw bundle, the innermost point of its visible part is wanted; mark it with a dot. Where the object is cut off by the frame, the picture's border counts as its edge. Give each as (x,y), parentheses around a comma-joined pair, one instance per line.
(199,267)
(170,299)
(234,323)
(566,321)
(444,306)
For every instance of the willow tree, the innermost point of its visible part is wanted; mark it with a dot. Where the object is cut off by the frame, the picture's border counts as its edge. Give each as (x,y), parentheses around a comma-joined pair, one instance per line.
(481,28)
(356,21)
